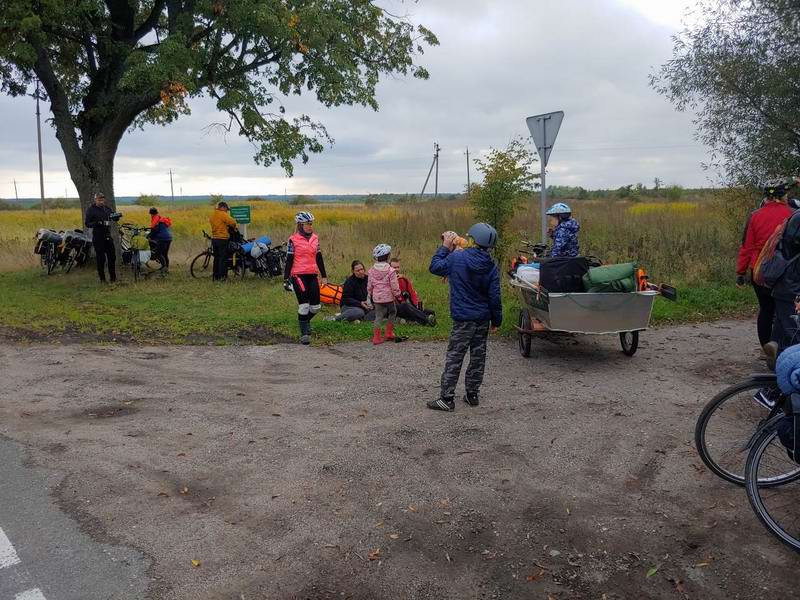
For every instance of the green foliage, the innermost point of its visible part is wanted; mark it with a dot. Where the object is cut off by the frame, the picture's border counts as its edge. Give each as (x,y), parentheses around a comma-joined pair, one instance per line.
(148,200)
(507,183)
(371,200)
(107,65)
(216,199)
(736,68)
(673,193)
(53,203)
(7,205)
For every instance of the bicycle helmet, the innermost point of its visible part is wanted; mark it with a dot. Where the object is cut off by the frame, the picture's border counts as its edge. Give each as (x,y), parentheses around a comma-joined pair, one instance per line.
(559,209)
(303,217)
(794,203)
(381,250)
(483,234)
(775,189)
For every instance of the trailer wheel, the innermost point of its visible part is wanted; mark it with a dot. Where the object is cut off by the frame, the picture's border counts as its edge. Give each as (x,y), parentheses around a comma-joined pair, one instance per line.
(629,340)
(524,339)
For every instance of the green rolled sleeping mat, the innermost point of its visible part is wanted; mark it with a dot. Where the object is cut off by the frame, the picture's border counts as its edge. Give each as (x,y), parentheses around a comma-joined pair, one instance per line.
(619,278)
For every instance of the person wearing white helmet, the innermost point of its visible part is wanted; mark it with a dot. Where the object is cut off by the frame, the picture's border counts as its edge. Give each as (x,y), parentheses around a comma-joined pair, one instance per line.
(563,230)
(383,288)
(304,269)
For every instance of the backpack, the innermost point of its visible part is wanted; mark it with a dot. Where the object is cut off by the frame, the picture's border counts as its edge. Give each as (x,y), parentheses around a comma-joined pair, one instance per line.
(771,264)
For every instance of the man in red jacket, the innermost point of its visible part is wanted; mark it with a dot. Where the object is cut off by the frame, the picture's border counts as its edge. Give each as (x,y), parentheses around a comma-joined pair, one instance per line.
(761,224)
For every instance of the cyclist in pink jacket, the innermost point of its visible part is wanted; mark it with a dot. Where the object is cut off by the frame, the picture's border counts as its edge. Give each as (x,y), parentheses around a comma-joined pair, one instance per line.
(383,288)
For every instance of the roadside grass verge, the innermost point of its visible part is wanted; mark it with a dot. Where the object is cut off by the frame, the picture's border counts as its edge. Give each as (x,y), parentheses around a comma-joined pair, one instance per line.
(179,309)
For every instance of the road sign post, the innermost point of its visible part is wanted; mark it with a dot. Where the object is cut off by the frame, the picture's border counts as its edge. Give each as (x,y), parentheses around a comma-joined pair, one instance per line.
(241,214)
(544,129)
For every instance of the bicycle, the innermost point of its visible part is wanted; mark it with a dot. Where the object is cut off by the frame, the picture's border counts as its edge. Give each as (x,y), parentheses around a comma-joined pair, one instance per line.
(141,261)
(202,265)
(775,448)
(50,246)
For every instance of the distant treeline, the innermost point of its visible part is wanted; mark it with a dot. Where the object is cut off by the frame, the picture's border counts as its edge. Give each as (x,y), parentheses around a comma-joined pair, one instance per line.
(632,192)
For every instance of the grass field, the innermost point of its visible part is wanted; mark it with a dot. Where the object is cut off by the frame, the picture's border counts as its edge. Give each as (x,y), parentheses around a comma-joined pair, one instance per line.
(687,243)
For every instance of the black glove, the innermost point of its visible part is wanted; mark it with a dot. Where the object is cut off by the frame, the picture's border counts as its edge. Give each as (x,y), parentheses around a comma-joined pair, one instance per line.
(740,280)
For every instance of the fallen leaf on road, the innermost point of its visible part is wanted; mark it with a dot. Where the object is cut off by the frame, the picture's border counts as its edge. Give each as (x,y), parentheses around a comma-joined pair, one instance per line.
(394,536)
(276,414)
(678,583)
(375,554)
(184,490)
(532,578)
(714,524)
(412,508)
(379,524)
(447,556)
(196,563)
(164,494)
(702,564)
(652,571)
(181,453)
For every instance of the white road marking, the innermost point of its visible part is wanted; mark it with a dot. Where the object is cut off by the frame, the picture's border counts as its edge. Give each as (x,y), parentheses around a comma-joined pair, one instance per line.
(8,556)
(34,594)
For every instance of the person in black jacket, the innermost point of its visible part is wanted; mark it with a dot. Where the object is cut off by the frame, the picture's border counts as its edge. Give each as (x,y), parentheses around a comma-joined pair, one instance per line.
(98,219)
(355,303)
(784,331)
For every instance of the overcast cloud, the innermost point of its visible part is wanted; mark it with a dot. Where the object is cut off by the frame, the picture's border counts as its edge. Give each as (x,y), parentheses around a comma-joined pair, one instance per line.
(499,62)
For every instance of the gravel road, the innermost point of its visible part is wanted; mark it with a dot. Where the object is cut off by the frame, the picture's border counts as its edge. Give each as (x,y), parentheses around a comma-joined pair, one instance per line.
(293,472)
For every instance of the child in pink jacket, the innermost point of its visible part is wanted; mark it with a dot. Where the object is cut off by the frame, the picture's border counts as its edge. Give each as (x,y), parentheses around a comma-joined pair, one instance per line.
(383,288)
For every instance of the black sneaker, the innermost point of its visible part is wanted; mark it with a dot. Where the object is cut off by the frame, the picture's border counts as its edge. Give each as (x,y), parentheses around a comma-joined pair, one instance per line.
(442,404)
(472,399)
(766,397)
(305,339)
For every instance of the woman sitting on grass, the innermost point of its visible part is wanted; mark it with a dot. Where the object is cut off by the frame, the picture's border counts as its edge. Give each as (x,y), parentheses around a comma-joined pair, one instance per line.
(412,309)
(355,303)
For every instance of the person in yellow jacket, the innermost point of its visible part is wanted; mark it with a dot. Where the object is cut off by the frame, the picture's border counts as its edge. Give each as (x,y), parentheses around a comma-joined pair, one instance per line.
(221,221)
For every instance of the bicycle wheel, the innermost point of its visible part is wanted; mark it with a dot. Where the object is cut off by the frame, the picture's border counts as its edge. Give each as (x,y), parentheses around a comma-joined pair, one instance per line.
(776,505)
(136,265)
(726,425)
(51,259)
(202,265)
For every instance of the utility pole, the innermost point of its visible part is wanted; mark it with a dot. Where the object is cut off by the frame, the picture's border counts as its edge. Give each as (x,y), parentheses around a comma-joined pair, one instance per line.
(16,195)
(39,141)
(468,184)
(435,163)
(171,187)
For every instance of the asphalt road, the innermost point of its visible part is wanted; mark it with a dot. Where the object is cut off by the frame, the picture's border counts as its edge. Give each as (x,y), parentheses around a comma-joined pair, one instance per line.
(46,554)
(316,473)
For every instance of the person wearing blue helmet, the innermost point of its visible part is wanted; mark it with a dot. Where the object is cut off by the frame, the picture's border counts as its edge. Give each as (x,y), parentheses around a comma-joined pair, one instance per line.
(563,230)
(475,307)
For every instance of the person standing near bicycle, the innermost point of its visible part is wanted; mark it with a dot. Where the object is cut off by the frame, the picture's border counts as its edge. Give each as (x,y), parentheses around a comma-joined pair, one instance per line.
(98,219)
(759,227)
(160,237)
(304,270)
(221,222)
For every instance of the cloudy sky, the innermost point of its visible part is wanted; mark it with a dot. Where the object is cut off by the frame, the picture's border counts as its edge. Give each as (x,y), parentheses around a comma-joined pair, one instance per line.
(499,62)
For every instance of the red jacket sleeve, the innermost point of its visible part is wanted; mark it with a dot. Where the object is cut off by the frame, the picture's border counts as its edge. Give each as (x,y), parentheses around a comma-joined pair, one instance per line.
(413,293)
(747,249)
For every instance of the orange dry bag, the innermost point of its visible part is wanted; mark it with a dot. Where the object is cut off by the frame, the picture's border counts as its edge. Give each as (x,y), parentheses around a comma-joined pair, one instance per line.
(330,293)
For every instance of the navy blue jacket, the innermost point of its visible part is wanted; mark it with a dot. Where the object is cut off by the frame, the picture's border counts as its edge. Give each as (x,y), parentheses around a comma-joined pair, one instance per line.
(474,284)
(160,233)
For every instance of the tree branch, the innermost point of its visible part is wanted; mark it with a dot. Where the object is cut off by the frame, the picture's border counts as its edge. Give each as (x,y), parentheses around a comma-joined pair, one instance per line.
(90,57)
(151,21)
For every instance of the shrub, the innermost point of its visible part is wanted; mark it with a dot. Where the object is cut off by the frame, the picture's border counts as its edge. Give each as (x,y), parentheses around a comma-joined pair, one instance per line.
(216,199)
(302,200)
(148,200)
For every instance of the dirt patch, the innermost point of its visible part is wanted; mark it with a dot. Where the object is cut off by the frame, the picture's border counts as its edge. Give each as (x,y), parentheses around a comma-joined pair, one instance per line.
(106,411)
(573,478)
(258,334)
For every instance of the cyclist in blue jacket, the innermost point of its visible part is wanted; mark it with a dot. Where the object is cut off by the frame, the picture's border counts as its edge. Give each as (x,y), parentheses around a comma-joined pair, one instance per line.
(475,307)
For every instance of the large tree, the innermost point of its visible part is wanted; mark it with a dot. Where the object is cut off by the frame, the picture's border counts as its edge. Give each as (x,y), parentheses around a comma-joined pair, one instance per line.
(738,68)
(108,65)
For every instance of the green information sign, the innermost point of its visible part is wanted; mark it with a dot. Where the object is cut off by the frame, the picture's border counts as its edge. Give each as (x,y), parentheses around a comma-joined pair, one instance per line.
(241,214)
